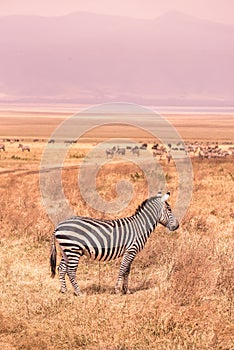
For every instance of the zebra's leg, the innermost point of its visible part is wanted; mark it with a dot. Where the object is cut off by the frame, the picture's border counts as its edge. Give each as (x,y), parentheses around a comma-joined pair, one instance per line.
(62,270)
(71,271)
(124,271)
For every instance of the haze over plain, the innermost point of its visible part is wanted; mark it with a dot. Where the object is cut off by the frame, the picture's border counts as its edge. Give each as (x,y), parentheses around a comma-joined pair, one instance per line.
(174,59)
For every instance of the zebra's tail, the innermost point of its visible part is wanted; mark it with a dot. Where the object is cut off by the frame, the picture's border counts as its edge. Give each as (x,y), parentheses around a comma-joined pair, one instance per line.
(53,256)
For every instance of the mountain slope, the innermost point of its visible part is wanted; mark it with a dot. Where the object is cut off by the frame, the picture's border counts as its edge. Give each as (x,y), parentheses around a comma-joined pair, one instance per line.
(85,57)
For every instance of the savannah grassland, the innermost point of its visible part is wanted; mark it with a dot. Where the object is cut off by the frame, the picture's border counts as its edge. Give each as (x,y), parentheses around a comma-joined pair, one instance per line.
(182,283)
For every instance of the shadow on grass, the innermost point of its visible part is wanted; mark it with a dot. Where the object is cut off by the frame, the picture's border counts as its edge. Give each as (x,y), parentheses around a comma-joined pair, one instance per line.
(98,289)
(104,289)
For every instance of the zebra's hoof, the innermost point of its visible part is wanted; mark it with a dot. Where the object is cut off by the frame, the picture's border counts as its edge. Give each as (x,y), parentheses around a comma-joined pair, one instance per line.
(78,294)
(126,291)
(62,290)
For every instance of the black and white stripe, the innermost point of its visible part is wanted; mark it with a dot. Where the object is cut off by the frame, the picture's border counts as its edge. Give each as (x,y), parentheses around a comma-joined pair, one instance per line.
(105,240)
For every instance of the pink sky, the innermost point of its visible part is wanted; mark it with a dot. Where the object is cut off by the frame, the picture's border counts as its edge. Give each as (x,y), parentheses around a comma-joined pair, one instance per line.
(216,10)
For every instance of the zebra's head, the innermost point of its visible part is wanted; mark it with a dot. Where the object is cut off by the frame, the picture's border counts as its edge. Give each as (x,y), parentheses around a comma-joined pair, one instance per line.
(166,217)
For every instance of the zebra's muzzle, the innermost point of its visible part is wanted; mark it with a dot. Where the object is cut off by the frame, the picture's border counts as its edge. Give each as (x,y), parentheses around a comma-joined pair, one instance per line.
(174,227)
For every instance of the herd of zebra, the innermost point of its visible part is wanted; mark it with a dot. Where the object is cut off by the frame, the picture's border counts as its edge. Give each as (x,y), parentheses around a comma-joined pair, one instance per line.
(196,149)
(105,240)
(200,150)
(110,152)
(22,147)
(209,150)
(158,151)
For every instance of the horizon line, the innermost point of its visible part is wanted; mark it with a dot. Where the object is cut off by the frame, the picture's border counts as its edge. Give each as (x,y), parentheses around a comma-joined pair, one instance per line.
(119,16)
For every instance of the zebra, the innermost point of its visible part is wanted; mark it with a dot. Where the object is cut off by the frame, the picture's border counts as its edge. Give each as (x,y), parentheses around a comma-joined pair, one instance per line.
(24,148)
(168,156)
(2,147)
(110,152)
(136,151)
(159,153)
(144,146)
(121,151)
(105,240)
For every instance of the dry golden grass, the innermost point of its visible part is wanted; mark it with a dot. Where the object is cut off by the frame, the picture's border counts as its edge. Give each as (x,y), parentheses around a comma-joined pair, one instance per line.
(182,284)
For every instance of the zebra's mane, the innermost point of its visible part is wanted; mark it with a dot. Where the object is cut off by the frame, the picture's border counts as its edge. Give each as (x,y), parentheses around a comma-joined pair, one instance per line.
(143,204)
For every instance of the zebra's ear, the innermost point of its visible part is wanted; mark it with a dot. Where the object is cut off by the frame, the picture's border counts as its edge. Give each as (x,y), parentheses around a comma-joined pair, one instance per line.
(159,194)
(165,197)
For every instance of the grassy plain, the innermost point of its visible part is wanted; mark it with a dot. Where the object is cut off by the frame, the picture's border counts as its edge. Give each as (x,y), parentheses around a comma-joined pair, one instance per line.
(182,283)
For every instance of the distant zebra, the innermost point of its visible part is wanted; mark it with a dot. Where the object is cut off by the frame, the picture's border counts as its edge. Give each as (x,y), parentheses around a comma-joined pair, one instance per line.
(105,240)
(144,146)
(159,153)
(121,151)
(2,147)
(110,152)
(24,148)
(136,151)
(169,157)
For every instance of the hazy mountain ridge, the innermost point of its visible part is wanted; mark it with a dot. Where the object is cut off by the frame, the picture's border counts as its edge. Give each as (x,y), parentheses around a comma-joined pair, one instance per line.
(86,57)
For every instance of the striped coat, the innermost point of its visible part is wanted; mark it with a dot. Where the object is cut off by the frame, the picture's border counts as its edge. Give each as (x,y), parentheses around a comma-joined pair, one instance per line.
(105,240)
